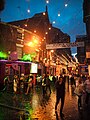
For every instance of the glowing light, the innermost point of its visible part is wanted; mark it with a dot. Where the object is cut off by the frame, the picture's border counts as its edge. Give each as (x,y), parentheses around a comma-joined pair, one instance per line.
(27,57)
(9,52)
(66,5)
(28,11)
(35,41)
(46,33)
(44,38)
(34,31)
(52,51)
(37,50)
(58,14)
(49,28)
(3,55)
(53,22)
(44,13)
(25,25)
(30,44)
(45,58)
(47,1)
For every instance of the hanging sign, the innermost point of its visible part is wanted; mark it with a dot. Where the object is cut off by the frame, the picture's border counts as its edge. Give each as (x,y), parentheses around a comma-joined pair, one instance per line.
(64,45)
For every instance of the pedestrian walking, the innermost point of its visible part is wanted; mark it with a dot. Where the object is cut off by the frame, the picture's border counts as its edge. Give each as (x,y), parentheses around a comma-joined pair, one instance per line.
(29,85)
(73,84)
(87,89)
(48,86)
(15,83)
(54,79)
(79,90)
(43,85)
(60,94)
(72,80)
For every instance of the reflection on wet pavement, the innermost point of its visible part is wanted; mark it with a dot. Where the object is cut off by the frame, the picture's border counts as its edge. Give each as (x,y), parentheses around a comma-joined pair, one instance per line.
(35,106)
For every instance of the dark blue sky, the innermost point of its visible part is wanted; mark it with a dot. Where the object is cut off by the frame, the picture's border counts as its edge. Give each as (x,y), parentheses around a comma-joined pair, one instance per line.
(70,20)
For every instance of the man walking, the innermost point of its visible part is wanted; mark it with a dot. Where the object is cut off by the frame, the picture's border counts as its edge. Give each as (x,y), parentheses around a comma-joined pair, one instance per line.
(48,86)
(60,94)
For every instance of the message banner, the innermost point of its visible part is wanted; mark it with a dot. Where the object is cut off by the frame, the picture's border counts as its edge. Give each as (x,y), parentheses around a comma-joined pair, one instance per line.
(64,45)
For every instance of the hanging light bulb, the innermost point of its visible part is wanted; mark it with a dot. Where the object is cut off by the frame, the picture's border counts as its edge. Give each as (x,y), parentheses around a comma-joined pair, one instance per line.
(44,38)
(28,10)
(46,33)
(53,22)
(47,1)
(58,13)
(49,28)
(66,5)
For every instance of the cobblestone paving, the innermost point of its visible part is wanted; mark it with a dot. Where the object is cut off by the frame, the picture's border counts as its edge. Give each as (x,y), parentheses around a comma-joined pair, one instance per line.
(35,106)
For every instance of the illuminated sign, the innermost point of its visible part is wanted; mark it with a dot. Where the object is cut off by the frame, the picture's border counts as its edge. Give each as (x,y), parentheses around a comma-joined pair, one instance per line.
(33,68)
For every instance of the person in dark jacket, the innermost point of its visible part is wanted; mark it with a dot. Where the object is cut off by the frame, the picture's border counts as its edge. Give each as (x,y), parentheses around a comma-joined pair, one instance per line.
(72,80)
(60,94)
(48,86)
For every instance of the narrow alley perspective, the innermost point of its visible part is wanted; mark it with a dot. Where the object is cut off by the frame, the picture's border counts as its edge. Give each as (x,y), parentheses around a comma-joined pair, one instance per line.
(44,59)
(35,106)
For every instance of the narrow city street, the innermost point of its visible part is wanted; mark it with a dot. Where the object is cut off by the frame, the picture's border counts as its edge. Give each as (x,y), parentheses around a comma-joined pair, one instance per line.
(35,106)
(44,55)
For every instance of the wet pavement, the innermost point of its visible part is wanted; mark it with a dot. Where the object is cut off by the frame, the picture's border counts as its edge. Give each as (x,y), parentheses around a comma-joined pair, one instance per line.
(35,106)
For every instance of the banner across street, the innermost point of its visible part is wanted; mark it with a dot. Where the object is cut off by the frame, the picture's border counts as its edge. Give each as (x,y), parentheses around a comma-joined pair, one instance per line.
(64,45)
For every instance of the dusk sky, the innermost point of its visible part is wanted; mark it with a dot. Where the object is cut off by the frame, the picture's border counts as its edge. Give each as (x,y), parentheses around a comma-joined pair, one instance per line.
(67,15)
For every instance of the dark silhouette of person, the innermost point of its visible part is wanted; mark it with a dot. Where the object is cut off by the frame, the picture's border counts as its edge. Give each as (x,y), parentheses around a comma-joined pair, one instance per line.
(48,86)
(54,79)
(60,94)
(72,80)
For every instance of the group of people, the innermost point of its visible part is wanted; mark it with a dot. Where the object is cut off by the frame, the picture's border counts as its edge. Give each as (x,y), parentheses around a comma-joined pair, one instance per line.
(82,87)
(22,84)
(45,82)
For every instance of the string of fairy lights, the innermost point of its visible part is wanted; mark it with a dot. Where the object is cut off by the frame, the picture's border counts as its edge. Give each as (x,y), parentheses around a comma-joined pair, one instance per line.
(47,2)
(66,3)
(28,11)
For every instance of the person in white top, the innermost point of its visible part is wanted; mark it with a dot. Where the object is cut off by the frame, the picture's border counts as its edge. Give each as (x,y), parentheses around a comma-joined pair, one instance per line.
(87,89)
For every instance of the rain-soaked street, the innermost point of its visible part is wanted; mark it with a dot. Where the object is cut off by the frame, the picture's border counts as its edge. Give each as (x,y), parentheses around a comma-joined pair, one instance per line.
(35,106)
